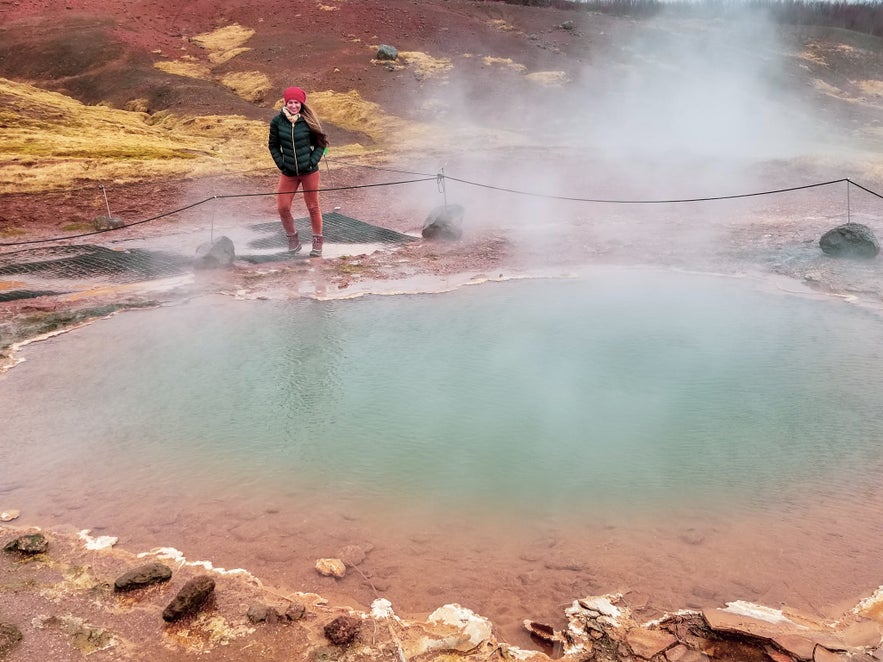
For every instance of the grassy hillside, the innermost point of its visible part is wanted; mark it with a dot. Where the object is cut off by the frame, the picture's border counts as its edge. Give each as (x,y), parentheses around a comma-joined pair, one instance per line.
(50,140)
(146,102)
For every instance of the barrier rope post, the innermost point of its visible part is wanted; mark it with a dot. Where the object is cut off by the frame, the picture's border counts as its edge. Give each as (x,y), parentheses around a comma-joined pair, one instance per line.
(211,235)
(440,182)
(328,170)
(848,208)
(106,203)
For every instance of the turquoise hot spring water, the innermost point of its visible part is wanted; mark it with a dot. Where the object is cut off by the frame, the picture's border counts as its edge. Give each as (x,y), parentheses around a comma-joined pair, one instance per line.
(507,423)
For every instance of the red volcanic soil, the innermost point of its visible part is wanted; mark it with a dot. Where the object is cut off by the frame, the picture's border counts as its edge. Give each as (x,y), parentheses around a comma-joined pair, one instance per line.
(98,51)
(104,52)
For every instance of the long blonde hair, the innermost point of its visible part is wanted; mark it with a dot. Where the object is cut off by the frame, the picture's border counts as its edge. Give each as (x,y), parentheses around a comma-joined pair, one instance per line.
(316,131)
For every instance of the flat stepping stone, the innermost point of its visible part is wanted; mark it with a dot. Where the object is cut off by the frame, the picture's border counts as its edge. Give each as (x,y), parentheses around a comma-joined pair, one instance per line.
(145,575)
(33,543)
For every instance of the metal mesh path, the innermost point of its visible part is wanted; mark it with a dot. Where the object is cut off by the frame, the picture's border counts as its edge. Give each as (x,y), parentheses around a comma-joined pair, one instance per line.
(336,228)
(90,261)
(56,269)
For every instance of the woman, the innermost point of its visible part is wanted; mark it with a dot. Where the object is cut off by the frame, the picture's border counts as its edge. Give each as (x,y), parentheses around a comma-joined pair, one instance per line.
(297,143)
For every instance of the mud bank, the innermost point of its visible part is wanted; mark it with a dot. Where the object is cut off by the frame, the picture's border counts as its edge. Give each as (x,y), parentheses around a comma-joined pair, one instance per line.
(62,603)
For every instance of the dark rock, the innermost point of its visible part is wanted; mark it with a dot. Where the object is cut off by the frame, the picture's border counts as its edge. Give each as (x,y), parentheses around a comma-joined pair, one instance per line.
(444,222)
(850,240)
(145,575)
(342,630)
(107,222)
(217,254)
(33,543)
(387,52)
(295,611)
(190,598)
(10,635)
(262,614)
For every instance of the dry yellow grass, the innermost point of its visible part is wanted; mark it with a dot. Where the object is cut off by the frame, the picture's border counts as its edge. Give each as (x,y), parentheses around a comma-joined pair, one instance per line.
(252,86)
(351,112)
(549,78)
(872,88)
(505,62)
(812,54)
(222,45)
(106,145)
(50,141)
(872,91)
(830,90)
(185,68)
(228,38)
(500,24)
(224,56)
(425,65)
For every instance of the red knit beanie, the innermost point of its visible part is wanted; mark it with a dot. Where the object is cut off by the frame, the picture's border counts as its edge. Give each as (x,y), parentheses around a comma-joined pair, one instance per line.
(295,93)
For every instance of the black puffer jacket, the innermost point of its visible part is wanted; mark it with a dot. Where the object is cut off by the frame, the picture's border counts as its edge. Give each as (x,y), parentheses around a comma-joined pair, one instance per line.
(292,146)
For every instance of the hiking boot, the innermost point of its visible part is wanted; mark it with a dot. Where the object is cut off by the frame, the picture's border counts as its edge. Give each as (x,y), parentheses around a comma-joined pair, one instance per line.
(318,240)
(294,244)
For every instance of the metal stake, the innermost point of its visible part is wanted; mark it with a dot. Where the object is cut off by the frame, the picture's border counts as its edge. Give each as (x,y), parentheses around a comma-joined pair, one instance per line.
(106,203)
(440,181)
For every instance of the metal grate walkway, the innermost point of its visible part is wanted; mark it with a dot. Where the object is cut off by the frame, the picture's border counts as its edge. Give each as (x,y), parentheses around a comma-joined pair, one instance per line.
(48,269)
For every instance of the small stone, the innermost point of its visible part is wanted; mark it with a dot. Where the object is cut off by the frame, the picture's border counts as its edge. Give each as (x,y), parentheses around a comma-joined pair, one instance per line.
(107,222)
(190,598)
(541,631)
(9,515)
(10,635)
(34,543)
(262,614)
(331,568)
(778,656)
(797,646)
(686,655)
(295,611)
(343,630)
(850,240)
(648,643)
(145,575)
(217,254)
(387,52)
(676,653)
(353,555)
(862,634)
(822,654)
(444,222)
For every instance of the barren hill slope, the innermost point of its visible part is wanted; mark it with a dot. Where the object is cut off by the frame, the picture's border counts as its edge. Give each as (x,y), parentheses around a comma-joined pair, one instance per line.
(534,88)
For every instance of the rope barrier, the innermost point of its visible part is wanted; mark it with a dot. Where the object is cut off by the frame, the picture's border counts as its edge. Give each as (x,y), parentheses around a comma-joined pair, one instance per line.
(651,202)
(866,190)
(196,204)
(440,179)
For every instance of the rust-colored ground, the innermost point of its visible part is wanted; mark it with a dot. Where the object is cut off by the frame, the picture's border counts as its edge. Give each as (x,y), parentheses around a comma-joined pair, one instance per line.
(491,124)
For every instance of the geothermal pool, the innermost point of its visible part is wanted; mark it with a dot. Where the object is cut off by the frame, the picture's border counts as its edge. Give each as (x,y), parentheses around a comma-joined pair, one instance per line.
(687,440)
